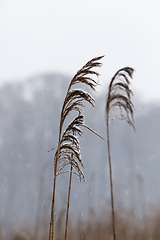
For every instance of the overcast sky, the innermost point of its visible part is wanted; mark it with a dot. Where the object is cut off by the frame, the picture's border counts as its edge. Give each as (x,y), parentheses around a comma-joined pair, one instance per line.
(38,36)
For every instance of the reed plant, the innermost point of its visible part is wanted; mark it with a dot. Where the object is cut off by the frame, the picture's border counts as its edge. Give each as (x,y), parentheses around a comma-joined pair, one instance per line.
(118,97)
(68,150)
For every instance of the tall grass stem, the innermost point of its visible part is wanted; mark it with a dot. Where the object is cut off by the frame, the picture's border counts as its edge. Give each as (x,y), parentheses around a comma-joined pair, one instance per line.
(68,202)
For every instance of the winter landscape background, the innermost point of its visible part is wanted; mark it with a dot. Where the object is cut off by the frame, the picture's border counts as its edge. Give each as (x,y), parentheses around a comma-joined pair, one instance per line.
(29,122)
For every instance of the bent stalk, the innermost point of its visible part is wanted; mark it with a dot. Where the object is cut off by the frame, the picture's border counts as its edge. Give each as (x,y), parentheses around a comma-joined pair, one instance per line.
(119,97)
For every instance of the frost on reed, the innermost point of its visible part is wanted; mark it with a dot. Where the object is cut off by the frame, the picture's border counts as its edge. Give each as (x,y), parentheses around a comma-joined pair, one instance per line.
(119,97)
(68,151)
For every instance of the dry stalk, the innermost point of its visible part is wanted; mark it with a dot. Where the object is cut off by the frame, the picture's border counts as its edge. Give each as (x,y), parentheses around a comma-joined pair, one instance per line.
(119,96)
(68,202)
(68,151)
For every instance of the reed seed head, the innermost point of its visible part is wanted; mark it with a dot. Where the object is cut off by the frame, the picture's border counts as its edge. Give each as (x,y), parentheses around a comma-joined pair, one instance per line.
(68,152)
(119,96)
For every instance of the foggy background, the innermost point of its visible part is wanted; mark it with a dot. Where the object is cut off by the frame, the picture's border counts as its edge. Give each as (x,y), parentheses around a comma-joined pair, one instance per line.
(42,45)
(30,113)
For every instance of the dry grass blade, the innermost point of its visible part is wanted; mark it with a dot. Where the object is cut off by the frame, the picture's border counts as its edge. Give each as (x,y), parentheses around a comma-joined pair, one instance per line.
(68,151)
(119,96)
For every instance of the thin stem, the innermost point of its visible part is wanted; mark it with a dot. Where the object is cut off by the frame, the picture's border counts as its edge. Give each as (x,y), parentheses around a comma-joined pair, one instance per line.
(51,231)
(111,181)
(69,193)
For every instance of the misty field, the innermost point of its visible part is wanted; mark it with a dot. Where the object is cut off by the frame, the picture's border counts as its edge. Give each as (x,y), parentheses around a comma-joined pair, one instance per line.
(115,199)
(99,228)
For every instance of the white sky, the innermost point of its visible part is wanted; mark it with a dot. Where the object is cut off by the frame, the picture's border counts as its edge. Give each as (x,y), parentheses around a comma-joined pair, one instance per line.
(38,36)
